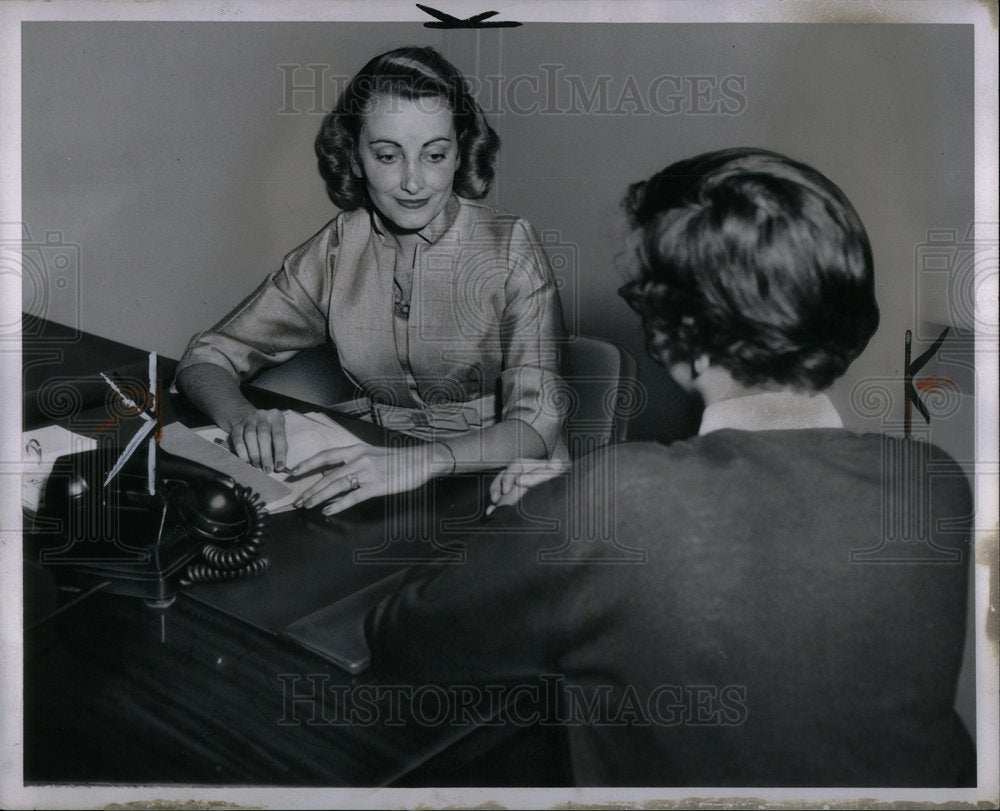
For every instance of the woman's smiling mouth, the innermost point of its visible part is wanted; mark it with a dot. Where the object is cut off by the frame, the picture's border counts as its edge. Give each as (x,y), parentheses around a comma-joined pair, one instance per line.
(413,204)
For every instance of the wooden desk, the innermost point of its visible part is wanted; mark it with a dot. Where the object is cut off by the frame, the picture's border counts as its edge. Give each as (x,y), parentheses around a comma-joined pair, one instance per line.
(118,692)
(206,691)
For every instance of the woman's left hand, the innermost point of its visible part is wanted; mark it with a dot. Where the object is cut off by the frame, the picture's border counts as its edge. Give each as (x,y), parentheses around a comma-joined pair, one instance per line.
(521,476)
(360,472)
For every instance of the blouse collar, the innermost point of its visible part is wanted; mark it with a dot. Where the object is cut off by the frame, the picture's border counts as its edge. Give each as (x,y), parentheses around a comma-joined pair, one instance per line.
(772,410)
(431,232)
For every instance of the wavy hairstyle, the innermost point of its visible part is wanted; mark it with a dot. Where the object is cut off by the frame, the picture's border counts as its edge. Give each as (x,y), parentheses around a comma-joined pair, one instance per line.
(406,73)
(755,260)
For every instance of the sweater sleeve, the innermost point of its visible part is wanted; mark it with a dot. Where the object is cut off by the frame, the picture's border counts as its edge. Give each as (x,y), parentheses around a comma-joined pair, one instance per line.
(533,587)
(488,617)
(287,313)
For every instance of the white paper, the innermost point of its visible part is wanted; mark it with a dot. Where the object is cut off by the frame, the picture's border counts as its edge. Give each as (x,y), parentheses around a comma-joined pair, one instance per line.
(39,450)
(307,435)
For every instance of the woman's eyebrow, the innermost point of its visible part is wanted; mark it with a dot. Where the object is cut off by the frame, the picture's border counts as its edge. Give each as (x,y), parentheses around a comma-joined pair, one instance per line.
(394,143)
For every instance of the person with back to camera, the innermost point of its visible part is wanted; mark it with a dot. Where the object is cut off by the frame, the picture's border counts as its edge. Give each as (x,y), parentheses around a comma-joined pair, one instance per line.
(749,648)
(436,305)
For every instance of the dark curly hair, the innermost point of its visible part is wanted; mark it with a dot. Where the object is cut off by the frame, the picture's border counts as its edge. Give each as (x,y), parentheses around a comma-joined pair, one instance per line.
(757,261)
(405,73)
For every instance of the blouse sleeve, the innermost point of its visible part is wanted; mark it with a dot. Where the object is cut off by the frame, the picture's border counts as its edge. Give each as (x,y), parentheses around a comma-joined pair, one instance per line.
(532,336)
(285,314)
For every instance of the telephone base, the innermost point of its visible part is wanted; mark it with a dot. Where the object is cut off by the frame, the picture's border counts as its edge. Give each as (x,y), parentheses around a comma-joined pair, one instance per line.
(196,526)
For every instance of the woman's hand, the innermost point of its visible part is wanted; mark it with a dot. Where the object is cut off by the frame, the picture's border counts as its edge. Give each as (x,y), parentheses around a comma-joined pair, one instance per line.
(256,435)
(360,472)
(259,438)
(520,476)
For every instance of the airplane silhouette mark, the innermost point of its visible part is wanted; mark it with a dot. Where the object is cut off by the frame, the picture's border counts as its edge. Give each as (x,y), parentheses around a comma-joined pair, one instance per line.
(475,21)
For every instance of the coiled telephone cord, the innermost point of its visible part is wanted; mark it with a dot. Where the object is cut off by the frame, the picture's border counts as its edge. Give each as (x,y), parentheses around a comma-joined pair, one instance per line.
(238,562)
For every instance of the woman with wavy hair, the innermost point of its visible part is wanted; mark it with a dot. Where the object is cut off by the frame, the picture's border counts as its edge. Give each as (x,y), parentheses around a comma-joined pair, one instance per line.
(443,311)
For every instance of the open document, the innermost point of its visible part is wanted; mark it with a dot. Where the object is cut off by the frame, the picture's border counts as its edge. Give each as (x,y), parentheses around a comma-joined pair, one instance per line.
(307,435)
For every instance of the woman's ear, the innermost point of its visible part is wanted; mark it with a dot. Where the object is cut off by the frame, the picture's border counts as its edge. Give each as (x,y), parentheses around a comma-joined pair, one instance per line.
(658,347)
(699,365)
(356,167)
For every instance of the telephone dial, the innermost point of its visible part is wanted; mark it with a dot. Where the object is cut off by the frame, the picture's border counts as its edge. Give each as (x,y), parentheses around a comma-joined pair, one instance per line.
(197,526)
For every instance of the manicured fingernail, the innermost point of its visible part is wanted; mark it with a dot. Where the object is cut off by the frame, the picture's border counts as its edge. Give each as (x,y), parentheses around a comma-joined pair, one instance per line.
(490,509)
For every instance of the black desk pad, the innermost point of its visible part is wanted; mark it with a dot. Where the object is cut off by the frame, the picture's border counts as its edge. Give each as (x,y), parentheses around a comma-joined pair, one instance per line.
(337,631)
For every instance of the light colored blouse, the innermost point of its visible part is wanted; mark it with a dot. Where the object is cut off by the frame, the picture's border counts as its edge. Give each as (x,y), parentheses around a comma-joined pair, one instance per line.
(484,316)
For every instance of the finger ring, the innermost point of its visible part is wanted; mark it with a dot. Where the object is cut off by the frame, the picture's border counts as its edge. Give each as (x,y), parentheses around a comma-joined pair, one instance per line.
(352,480)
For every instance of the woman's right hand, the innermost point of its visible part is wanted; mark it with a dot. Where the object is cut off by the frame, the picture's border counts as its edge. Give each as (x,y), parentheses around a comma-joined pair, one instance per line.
(259,438)
(257,435)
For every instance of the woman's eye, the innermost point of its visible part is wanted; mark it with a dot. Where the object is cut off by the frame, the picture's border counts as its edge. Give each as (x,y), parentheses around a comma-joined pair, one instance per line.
(385,157)
(436,157)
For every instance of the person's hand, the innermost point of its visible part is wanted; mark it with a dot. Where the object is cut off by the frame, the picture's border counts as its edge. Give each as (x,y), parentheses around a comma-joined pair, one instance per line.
(259,438)
(520,476)
(360,472)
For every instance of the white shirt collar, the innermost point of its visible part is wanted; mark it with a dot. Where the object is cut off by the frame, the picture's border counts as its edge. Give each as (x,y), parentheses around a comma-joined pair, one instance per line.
(772,410)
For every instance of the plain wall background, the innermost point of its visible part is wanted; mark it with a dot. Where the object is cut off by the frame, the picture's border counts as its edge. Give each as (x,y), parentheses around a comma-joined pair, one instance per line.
(175,157)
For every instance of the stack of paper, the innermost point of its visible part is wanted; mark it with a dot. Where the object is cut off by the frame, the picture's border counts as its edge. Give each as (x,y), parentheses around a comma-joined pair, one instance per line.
(307,435)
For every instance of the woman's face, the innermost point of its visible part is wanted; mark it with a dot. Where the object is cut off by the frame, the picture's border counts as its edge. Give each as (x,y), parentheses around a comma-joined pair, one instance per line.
(409,155)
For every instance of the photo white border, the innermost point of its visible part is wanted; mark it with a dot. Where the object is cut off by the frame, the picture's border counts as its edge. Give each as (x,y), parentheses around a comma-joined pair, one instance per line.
(983,15)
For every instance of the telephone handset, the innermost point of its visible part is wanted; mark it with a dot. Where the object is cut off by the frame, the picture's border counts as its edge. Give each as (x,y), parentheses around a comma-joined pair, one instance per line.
(197,526)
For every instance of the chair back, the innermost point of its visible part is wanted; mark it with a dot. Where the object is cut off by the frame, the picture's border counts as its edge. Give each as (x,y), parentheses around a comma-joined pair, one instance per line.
(313,375)
(603,394)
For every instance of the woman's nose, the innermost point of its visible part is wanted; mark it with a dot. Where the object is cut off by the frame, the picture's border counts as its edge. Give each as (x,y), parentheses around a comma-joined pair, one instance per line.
(413,178)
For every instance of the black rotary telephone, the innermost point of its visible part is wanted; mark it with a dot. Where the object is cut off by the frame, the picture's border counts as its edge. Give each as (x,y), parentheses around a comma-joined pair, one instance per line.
(197,526)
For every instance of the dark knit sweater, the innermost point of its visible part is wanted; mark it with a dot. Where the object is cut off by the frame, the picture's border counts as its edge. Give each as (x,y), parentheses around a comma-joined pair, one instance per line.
(741,609)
